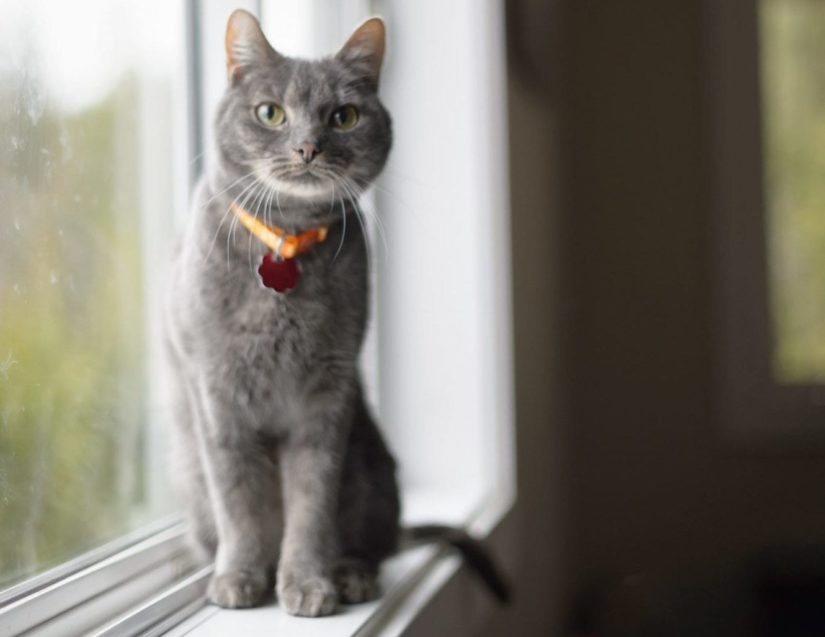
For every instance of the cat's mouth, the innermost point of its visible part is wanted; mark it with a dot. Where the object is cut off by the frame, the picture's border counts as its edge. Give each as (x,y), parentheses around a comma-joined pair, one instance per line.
(311,182)
(305,174)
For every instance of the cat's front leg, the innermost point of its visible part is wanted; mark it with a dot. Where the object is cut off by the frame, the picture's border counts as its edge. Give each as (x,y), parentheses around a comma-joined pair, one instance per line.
(311,460)
(242,481)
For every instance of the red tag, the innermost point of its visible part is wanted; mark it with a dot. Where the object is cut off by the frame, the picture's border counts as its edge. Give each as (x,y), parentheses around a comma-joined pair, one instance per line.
(279,275)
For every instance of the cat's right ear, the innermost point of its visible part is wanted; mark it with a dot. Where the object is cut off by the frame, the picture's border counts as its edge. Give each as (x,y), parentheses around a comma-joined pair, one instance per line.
(365,48)
(246,44)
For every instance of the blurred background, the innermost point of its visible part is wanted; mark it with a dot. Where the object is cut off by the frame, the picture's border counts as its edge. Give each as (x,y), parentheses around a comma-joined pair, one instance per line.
(87,177)
(665,270)
(668,219)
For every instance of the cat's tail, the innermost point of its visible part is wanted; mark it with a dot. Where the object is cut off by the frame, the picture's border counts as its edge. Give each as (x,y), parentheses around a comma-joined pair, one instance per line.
(476,556)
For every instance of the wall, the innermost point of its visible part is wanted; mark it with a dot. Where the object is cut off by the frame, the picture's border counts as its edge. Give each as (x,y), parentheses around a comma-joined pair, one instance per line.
(533,110)
(613,231)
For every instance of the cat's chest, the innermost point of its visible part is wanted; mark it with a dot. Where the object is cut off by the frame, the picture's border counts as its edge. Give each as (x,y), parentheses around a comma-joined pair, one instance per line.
(264,353)
(249,317)
(268,350)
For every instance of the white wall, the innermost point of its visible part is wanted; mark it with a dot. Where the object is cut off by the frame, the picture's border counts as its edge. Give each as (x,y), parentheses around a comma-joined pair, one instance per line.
(445,276)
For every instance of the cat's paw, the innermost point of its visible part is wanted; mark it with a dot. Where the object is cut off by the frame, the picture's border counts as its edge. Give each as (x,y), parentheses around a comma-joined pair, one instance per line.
(306,596)
(238,589)
(355,582)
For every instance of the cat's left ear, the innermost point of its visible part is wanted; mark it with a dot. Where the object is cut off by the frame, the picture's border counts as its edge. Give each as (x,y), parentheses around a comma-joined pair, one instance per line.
(246,44)
(365,48)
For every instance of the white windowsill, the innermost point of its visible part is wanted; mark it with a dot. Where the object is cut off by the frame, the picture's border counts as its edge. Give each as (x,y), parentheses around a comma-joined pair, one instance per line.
(409,581)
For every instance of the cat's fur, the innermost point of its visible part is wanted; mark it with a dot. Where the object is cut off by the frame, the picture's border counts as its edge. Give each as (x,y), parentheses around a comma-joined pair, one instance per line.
(283,472)
(277,458)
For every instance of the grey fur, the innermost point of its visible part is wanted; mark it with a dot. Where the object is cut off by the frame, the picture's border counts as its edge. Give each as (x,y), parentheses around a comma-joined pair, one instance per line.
(278,461)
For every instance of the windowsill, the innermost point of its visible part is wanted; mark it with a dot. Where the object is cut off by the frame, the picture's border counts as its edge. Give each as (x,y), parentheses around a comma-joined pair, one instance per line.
(153,591)
(409,580)
(150,588)
(270,619)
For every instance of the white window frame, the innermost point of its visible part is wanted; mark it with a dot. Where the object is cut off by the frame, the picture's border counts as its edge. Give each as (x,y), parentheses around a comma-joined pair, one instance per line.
(145,584)
(752,407)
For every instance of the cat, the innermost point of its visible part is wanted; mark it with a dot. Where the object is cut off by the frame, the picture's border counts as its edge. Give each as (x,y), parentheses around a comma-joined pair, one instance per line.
(285,478)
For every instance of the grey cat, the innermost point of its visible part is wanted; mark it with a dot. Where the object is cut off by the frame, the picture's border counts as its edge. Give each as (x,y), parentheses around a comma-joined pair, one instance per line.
(286,480)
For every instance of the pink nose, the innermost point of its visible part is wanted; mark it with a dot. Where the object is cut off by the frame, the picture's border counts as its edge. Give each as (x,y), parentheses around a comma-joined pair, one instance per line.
(307,151)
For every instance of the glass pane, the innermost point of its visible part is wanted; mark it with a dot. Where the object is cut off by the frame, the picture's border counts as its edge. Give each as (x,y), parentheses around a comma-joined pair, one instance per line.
(793,49)
(86,101)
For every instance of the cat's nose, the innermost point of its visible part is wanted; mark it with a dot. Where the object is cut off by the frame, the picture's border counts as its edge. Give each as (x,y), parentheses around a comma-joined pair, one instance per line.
(308,151)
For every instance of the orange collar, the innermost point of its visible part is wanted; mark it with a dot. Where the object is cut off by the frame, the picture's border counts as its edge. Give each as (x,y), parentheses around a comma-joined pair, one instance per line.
(282,244)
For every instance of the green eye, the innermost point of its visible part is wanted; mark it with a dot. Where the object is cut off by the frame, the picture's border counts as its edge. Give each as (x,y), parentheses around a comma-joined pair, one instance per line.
(344,118)
(270,115)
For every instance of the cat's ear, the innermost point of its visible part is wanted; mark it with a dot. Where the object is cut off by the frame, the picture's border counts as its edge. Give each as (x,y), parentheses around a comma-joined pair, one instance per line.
(365,48)
(246,44)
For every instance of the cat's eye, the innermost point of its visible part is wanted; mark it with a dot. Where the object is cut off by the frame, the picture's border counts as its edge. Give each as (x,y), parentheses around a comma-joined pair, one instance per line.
(270,115)
(344,118)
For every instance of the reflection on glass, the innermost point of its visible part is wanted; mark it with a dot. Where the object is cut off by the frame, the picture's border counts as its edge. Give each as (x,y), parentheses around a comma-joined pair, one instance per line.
(85,111)
(793,84)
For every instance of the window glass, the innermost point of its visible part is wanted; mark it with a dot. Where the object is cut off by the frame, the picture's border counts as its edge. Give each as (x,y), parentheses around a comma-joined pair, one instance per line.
(793,48)
(86,110)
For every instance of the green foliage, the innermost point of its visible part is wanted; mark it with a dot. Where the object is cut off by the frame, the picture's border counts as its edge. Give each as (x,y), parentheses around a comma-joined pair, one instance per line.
(793,47)
(71,329)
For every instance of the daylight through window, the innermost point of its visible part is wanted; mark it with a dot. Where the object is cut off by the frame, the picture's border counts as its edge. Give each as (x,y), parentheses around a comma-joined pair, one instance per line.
(86,103)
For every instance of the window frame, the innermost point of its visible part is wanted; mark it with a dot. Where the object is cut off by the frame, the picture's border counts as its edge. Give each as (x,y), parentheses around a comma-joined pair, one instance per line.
(753,409)
(86,591)
(146,584)
(99,584)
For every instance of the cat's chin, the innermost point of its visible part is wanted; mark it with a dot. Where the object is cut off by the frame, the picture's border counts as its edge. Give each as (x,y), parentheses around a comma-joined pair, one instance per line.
(311,190)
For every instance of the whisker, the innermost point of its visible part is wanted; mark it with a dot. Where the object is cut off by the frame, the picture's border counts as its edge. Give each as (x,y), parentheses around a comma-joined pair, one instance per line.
(349,195)
(411,212)
(354,193)
(278,203)
(223,220)
(343,225)
(268,207)
(220,192)
(257,203)
(381,231)
(366,235)
(389,171)
(230,235)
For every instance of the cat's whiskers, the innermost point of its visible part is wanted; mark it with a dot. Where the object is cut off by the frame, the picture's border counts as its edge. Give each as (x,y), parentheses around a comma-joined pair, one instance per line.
(220,192)
(197,157)
(396,174)
(278,203)
(272,173)
(353,193)
(268,208)
(337,176)
(343,224)
(230,235)
(257,204)
(366,234)
(260,204)
(364,185)
(361,222)
(409,211)
(266,204)
(226,213)
(369,214)
(258,197)
(266,170)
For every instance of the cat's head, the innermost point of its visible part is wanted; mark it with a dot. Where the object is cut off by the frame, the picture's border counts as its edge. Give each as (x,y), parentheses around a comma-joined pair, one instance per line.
(307,129)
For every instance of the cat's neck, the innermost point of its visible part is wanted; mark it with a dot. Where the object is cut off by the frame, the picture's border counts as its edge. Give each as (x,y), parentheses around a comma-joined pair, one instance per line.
(277,208)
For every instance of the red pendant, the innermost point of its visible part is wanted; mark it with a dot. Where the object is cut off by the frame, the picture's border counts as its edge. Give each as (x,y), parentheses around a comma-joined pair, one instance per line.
(279,275)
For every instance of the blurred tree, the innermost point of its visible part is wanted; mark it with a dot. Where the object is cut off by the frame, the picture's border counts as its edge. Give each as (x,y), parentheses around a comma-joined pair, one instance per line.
(793,46)
(71,326)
